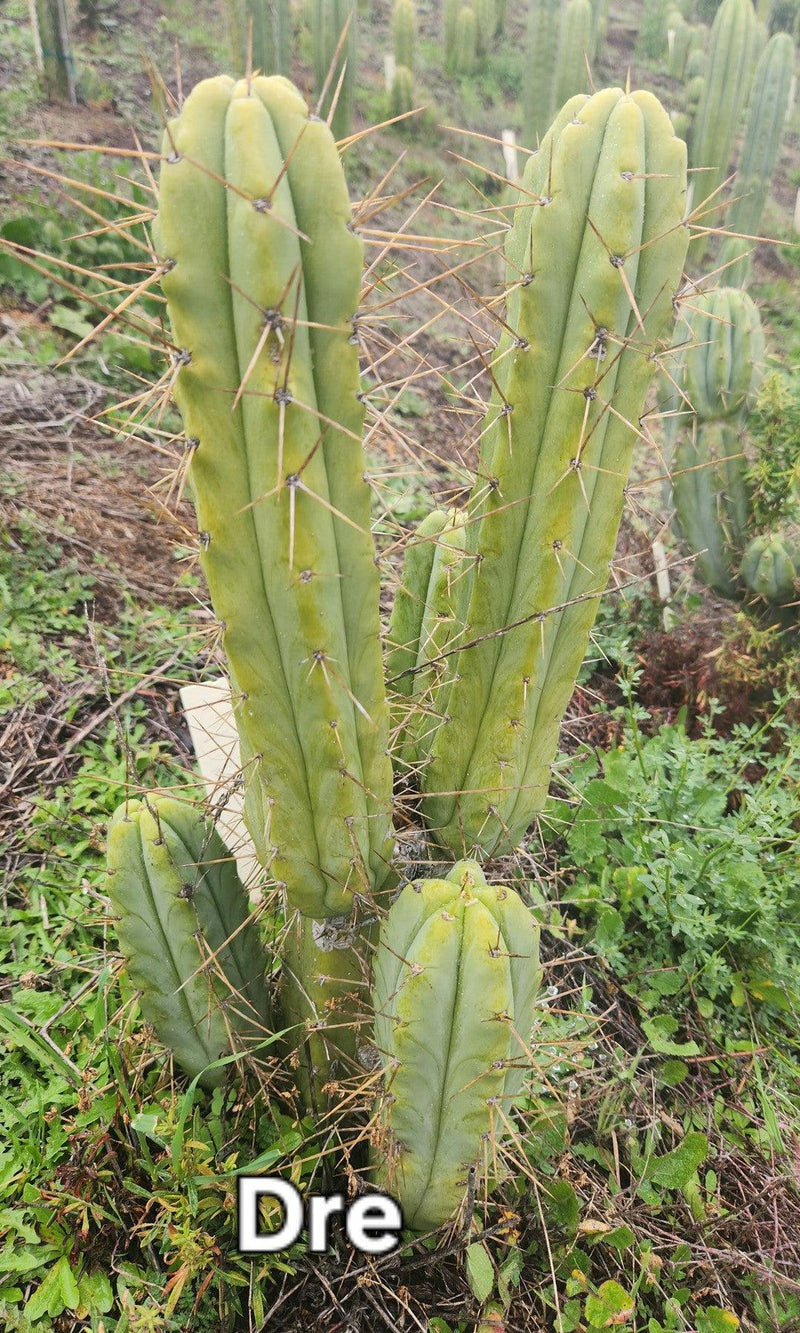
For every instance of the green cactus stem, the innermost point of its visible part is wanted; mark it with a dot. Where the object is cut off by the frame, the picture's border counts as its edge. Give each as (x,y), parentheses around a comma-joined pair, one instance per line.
(678,39)
(485,26)
(261,32)
(456,978)
(652,40)
(599,240)
(723,363)
(574,49)
(713,502)
(261,275)
(186,933)
(404,32)
(771,567)
(402,94)
(452,9)
(329,20)
(538,92)
(465,50)
(724,96)
(764,129)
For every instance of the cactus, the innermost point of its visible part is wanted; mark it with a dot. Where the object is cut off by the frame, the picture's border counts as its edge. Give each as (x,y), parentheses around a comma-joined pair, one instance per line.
(599,26)
(723,362)
(402,94)
(485,25)
(678,38)
(277,476)
(329,19)
(713,504)
(465,51)
(427,619)
(652,40)
(452,9)
(574,48)
(771,566)
(696,64)
(542,61)
(404,30)
(764,127)
(724,94)
(572,372)
(184,930)
(261,32)
(456,977)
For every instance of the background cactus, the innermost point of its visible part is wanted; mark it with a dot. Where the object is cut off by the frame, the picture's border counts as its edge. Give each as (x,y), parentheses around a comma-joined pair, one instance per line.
(764,129)
(485,26)
(723,361)
(184,928)
(652,40)
(556,449)
(465,50)
(402,94)
(713,504)
(404,32)
(329,18)
(678,39)
(538,93)
(574,49)
(452,9)
(724,95)
(261,32)
(456,978)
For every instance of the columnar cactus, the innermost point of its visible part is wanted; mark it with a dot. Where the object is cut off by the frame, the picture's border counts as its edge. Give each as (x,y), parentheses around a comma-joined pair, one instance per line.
(724,94)
(723,362)
(402,92)
(465,51)
(184,927)
(456,978)
(542,61)
(261,276)
(329,19)
(652,40)
(713,505)
(595,255)
(678,39)
(574,48)
(261,31)
(427,619)
(764,128)
(404,31)
(485,25)
(452,9)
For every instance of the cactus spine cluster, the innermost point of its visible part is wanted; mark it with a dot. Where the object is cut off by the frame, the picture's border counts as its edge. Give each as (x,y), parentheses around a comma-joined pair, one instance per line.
(456,978)
(572,372)
(185,931)
(329,20)
(764,128)
(724,93)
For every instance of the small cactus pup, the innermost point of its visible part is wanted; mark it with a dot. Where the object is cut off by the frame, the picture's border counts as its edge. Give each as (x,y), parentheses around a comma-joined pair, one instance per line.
(455,983)
(595,254)
(183,921)
(771,567)
(262,277)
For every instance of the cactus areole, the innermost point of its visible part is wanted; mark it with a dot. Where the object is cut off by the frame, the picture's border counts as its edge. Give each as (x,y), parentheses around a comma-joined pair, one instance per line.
(262,277)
